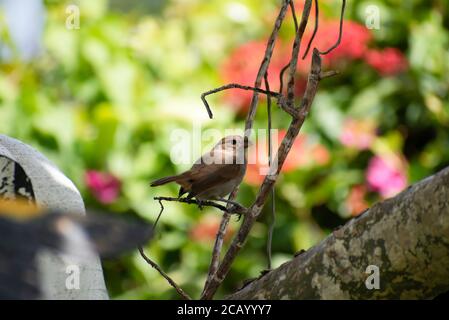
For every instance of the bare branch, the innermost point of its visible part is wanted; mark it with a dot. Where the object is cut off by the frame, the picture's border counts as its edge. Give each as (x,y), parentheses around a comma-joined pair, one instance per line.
(299,115)
(328,74)
(153,264)
(281,74)
(264,66)
(232,86)
(284,148)
(270,159)
(248,125)
(233,208)
(295,52)
(218,245)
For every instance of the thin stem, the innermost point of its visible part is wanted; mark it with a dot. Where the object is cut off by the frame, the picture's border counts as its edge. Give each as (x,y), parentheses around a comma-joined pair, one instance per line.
(264,66)
(295,52)
(281,74)
(315,30)
(295,20)
(340,31)
(232,86)
(218,245)
(158,216)
(153,264)
(216,252)
(270,152)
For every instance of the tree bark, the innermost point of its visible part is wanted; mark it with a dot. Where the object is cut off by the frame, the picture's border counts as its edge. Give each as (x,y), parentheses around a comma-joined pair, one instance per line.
(406,237)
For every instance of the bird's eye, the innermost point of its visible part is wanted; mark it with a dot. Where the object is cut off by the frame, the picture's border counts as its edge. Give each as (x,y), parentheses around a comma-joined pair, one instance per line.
(234,142)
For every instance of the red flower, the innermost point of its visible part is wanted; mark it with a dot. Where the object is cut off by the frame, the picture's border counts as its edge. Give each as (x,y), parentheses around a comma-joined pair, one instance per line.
(104,186)
(389,61)
(241,67)
(207,228)
(355,202)
(353,45)
(304,153)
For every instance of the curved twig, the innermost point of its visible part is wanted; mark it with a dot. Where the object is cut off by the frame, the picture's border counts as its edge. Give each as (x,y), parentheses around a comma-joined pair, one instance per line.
(153,264)
(340,31)
(315,30)
(232,86)
(159,215)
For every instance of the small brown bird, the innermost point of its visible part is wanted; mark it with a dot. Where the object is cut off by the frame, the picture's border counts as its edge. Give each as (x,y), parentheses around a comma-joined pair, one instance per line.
(216,173)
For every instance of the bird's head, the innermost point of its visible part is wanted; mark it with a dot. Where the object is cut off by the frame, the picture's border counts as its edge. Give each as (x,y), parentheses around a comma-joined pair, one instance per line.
(233,142)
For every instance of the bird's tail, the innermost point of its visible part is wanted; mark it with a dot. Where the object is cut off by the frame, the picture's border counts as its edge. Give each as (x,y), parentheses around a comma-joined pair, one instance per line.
(162,181)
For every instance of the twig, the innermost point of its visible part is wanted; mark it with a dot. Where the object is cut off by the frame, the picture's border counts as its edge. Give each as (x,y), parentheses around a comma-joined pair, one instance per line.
(315,30)
(158,216)
(232,86)
(248,125)
(264,67)
(233,208)
(270,151)
(254,211)
(213,283)
(295,20)
(281,74)
(295,52)
(340,31)
(181,292)
(155,265)
(328,74)
(218,245)
(264,191)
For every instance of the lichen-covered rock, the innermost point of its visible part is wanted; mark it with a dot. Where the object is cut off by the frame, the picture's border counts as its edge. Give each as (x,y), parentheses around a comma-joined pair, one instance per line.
(405,237)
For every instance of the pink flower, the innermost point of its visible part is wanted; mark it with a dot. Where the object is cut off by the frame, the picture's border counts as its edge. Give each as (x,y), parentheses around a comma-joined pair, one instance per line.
(389,61)
(386,175)
(358,133)
(104,186)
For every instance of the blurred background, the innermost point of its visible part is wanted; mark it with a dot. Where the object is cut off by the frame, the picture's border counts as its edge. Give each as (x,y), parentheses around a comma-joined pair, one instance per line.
(100,92)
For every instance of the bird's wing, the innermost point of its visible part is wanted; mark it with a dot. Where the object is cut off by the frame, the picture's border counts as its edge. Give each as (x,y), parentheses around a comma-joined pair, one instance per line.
(202,177)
